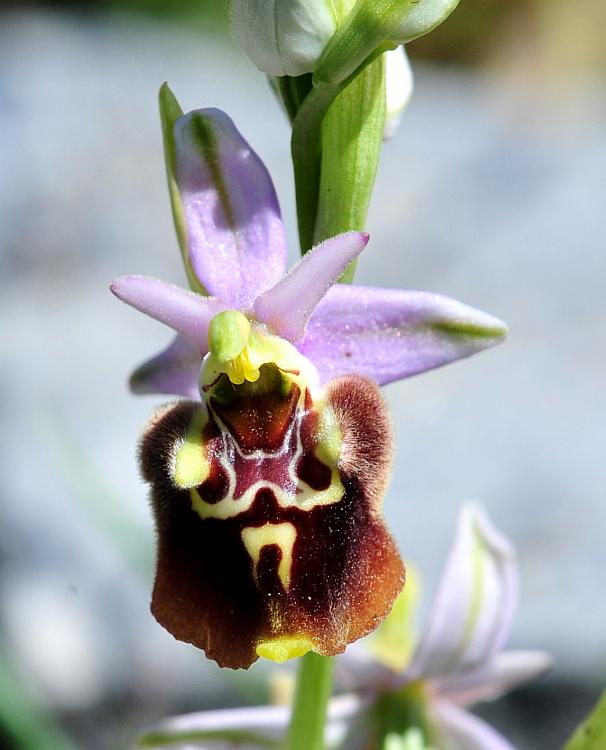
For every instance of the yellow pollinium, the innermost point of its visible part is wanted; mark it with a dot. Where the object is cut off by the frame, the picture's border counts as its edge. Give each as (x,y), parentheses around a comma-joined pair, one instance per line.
(240,368)
(229,339)
(285,648)
(239,348)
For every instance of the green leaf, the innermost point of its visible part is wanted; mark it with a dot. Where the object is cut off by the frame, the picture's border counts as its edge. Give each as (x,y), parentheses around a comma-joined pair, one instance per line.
(591,734)
(352,136)
(170,111)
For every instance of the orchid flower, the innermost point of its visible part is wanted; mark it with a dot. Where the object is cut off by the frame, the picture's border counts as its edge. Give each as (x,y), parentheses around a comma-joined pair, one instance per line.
(458,662)
(267,488)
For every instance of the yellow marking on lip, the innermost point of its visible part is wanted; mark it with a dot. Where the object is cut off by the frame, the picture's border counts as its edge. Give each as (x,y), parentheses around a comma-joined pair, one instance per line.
(190,467)
(282,535)
(283,649)
(330,441)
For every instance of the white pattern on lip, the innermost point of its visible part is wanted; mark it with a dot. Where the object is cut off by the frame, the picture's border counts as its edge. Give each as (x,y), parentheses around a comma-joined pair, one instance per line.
(291,492)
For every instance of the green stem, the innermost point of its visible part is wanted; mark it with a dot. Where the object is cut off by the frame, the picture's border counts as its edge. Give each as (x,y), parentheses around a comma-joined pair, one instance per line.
(352,136)
(306,149)
(314,686)
(292,92)
(306,157)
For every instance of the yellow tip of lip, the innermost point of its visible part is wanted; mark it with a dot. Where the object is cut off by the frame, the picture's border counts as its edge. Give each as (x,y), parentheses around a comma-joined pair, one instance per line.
(283,649)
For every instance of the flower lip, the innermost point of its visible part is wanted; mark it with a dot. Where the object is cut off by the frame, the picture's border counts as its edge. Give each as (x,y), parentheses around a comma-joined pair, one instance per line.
(270,536)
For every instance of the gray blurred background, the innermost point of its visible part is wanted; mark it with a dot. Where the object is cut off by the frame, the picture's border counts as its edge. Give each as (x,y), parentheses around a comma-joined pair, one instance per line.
(493,192)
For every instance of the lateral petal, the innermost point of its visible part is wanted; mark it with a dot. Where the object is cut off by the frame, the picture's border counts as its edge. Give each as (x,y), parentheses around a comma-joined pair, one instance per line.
(174,371)
(507,670)
(288,305)
(389,334)
(463,731)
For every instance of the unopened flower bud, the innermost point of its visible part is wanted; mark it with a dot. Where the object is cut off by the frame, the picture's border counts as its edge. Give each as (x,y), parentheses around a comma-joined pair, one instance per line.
(282,37)
(398,89)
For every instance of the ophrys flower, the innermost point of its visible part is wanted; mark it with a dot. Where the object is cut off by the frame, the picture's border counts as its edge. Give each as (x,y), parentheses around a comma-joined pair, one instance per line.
(267,488)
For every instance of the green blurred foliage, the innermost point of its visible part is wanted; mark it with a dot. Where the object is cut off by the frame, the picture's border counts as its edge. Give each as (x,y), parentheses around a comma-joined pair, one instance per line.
(591,733)
(205,13)
(534,36)
(201,10)
(470,33)
(540,37)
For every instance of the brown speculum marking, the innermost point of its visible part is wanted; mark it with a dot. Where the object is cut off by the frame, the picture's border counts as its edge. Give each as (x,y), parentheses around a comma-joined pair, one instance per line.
(266,501)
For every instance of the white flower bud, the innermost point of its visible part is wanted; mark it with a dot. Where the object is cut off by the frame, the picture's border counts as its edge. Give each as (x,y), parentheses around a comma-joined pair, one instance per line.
(398,89)
(282,37)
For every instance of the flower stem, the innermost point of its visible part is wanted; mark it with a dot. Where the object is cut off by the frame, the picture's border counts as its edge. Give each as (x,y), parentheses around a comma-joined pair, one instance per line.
(306,148)
(352,136)
(314,686)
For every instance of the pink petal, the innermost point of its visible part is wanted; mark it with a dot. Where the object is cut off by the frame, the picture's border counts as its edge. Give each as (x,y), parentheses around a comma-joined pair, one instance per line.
(186,312)
(462,731)
(358,669)
(472,612)
(235,235)
(388,334)
(287,307)
(266,722)
(506,671)
(174,371)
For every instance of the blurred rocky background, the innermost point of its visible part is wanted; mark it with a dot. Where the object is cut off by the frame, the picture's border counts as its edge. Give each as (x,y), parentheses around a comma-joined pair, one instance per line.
(493,191)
